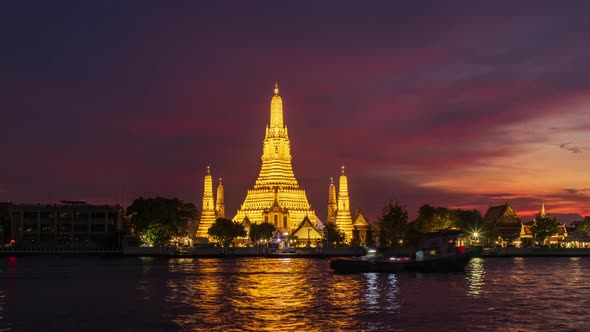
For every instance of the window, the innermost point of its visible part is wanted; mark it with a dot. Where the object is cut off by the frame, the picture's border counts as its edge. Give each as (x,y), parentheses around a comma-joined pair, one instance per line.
(276,220)
(285,221)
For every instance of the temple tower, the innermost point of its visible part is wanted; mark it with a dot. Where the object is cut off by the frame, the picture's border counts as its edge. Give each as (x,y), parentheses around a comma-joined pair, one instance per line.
(343,217)
(332,205)
(208,210)
(543,214)
(219,202)
(276,196)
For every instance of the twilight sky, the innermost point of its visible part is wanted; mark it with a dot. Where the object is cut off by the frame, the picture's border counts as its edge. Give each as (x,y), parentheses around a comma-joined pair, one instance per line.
(460,104)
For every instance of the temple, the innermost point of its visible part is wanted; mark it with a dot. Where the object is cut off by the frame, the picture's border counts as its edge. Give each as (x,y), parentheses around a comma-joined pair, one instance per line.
(211,209)
(343,217)
(276,197)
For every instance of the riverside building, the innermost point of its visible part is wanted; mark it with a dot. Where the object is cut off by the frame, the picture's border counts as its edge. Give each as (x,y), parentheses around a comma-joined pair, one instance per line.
(66,226)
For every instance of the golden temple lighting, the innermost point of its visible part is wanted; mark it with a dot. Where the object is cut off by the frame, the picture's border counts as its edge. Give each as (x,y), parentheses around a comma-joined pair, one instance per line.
(276,197)
(210,210)
(343,217)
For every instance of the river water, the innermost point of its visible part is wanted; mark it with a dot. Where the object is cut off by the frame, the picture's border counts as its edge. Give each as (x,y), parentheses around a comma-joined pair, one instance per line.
(258,294)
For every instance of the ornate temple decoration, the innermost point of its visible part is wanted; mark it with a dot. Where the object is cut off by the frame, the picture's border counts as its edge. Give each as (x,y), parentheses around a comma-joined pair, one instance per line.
(332,205)
(219,203)
(208,208)
(276,196)
(343,217)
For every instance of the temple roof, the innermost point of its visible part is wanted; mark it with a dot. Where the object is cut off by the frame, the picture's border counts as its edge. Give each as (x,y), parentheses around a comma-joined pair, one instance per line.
(501,214)
(303,232)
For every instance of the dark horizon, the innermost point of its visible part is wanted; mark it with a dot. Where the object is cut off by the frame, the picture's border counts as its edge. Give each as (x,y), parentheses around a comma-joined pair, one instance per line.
(458,104)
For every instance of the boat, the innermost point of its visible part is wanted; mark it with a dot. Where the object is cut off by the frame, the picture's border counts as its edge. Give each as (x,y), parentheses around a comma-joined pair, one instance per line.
(365,264)
(445,252)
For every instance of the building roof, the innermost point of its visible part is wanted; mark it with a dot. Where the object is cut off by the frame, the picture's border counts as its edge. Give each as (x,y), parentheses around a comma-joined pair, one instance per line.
(578,236)
(494,213)
(501,214)
(359,220)
(307,228)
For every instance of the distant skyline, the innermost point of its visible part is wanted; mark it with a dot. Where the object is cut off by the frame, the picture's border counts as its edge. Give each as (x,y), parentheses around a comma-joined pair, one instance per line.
(463,104)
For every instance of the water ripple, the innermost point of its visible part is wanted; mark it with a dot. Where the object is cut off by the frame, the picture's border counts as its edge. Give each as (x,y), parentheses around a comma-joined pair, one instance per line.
(253,294)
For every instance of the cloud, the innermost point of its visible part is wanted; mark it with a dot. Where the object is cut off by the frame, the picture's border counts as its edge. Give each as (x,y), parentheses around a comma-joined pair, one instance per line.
(571,148)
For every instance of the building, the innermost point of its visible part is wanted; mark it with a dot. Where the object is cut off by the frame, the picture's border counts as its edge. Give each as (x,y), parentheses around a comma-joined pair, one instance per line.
(70,225)
(343,217)
(363,233)
(526,231)
(211,208)
(507,222)
(276,197)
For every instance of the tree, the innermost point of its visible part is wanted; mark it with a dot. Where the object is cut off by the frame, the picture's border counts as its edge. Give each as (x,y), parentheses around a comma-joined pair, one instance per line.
(332,235)
(225,231)
(262,231)
(393,224)
(431,219)
(469,221)
(585,225)
(156,234)
(543,227)
(160,219)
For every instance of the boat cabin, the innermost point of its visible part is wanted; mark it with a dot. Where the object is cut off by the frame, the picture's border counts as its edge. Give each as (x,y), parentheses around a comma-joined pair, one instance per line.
(440,244)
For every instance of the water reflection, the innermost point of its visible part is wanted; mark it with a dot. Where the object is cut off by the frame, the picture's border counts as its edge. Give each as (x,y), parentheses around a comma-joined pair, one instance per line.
(381,292)
(291,294)
(475,276)
(144,282)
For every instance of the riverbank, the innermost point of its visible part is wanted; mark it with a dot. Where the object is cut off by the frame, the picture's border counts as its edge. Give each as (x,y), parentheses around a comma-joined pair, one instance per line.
(213,252)
(196,252)
(535,252)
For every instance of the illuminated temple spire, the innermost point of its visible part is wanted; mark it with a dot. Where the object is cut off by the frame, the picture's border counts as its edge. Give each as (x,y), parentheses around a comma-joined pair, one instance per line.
(276,109)
(332,206)
(276,180)
(543,214)
(343,217)
(219,202)
(208,210)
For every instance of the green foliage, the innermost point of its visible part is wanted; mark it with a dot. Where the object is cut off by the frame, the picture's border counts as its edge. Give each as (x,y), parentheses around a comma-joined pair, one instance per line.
(490,234)
(224,231)
(393,224)
(332,236)
(544,227)
(156,234)
(262,231)
(157,220)
(431,219)
(527,242)
(585,225)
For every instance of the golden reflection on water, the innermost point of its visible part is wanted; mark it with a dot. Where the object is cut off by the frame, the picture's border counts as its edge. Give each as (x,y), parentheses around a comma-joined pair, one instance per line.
(271,297)
(575,270)
(245,294)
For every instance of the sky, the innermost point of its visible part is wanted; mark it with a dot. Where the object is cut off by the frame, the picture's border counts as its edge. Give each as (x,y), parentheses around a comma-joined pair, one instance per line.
(463,104)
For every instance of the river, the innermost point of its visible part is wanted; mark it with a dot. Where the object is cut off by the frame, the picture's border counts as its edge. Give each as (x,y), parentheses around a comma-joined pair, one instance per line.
(290,294)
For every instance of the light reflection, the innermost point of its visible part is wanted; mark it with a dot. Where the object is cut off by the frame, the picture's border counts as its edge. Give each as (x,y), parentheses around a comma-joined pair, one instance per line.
(2,304)
(574,269)
(144,282)
(372,292)
(475,276)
